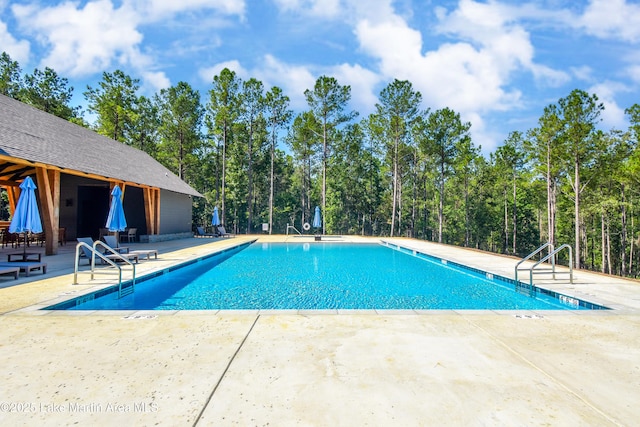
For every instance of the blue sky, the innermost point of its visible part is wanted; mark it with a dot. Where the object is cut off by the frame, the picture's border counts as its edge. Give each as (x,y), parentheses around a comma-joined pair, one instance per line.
(497,63)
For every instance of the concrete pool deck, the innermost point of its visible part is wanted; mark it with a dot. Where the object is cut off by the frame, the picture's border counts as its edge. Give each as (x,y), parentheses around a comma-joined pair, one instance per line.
(202,368)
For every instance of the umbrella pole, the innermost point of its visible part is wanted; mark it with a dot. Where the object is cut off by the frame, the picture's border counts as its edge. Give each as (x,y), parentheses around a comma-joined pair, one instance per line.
(24,249)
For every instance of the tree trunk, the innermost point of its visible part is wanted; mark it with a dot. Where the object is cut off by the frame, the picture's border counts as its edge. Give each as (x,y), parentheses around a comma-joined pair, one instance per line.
(505,231)
(608,234)
(414,202)
(603,268)
(576,171)
(467,231)
(395,187)
(273,143)
(631,249)
(441,203)
(551,201)
(324,173)
(623,237)
(250,183)
(514,221)
(224,175)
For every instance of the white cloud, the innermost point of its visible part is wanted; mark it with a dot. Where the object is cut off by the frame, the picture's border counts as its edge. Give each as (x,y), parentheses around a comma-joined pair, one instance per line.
(611,19)
(18,50)
(295,79)
(634,73)
(613,115)
(473,73)
(487,139)
(207,74)
(292,79)
(83,40)
(584,73)
(362,82)
(155,80)
(548,76)
(456,74)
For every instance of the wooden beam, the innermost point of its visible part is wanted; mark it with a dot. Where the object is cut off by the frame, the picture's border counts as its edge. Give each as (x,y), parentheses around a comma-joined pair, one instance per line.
(18,161)
(49,191)
(13,193)
(152,209)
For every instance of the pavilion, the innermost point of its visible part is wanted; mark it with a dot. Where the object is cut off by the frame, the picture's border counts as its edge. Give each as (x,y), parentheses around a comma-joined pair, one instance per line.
(75,169)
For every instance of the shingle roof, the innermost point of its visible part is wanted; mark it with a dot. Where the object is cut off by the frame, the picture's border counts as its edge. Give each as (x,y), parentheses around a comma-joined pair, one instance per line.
(31,134)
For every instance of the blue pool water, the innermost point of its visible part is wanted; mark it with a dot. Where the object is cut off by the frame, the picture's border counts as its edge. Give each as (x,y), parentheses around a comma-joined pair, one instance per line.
(311,276)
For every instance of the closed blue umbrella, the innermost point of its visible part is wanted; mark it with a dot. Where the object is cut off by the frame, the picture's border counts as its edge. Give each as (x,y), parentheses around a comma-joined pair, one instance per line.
(317,221)
(26,218)
(116,220)
(215,218)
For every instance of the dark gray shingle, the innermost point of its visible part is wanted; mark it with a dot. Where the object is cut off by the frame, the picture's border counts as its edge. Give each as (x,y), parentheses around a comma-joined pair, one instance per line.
(30,134)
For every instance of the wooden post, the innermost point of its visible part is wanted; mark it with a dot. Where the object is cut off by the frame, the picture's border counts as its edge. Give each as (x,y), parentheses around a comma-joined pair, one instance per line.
(152,209)
(48,182)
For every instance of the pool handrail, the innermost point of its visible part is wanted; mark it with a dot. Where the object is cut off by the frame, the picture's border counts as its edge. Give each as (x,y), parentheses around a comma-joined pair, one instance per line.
(94,251)
(532,254)
(291,226)
(552,255)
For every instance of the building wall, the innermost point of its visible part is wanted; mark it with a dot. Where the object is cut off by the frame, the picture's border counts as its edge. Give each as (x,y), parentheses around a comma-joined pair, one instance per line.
(175,208)
(175,213)
(69,204)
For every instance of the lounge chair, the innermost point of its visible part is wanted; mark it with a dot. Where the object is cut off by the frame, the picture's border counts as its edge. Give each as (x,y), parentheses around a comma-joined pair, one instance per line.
(26,266)
(200,233)
(112,242)
(222,232)
(87,253)
(15,271)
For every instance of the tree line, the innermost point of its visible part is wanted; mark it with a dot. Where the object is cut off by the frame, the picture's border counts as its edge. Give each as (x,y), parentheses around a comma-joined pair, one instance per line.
(400,171)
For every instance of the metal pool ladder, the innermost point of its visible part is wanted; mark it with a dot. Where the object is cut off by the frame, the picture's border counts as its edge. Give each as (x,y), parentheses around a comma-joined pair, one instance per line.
(122,291)
(294,228)
(550,256)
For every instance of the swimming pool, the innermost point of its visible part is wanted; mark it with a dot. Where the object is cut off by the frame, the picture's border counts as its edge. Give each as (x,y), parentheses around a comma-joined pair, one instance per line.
(319,276)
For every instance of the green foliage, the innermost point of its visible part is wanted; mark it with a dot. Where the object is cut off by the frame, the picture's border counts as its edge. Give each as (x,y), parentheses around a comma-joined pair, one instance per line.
(180,117)
(10,76)
(48,92)
(114,102)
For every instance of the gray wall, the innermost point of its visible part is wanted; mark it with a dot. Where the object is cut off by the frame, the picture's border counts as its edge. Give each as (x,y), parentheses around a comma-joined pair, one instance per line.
(175,208)
(69,201)
(175,212)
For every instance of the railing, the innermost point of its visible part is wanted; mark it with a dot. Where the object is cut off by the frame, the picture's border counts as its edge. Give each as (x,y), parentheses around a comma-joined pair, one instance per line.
(534,253)
(108,259)
(551,256)
(291,226)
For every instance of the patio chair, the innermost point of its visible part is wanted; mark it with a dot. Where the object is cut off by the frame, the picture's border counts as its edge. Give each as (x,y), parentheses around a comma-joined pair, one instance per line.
(113,243)
(86,253)
(222,232)
(142,253)
(200,233)
(130,235)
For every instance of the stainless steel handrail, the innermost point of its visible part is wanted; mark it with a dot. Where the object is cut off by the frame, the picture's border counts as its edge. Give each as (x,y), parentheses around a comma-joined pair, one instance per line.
(94,251)
(291,226)
(537,251)
(552,255)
